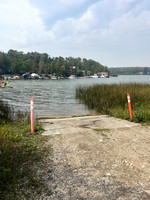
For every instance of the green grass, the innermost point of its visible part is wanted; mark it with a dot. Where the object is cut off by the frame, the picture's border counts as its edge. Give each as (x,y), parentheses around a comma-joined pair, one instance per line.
(112,100)
(20,153)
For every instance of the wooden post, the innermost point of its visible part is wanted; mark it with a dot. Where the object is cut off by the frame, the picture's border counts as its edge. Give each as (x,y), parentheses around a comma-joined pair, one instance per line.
(130,107)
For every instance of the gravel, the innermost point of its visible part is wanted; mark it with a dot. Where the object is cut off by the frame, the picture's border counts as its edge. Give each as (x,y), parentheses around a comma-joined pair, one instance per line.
(96,158)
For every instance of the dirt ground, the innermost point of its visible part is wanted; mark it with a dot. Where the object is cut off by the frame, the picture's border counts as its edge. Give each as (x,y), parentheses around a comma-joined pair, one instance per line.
(98,158)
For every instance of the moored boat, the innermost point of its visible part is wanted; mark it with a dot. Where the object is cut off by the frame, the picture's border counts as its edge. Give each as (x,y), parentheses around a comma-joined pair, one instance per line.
(95,76)
(72,77)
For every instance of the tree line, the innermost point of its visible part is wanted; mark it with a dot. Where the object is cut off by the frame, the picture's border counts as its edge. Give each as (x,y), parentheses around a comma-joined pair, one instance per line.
(129,70)
(18,62)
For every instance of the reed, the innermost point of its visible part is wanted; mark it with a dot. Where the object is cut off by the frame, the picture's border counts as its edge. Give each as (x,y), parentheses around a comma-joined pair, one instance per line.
(112,100)
(5,111)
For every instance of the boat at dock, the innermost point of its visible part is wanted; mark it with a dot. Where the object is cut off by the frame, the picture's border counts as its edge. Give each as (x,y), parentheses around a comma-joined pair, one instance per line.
(72,77)
(95,76)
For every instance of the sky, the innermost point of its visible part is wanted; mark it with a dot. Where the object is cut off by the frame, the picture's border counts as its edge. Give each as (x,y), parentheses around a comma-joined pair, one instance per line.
(115,33)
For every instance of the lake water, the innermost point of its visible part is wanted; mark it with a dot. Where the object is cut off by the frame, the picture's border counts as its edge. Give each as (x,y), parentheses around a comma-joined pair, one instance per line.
(56,97)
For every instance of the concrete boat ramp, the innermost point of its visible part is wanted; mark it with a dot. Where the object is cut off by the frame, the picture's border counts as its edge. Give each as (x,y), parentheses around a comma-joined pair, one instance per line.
(62,125)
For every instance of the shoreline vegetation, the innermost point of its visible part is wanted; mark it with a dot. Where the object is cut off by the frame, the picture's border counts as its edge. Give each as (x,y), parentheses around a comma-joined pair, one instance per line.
(20,151)
(129,70)
(112,100)
(19,63)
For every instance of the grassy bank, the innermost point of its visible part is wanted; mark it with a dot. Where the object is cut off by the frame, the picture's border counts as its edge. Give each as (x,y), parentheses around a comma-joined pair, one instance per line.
(112,100)
(19,152)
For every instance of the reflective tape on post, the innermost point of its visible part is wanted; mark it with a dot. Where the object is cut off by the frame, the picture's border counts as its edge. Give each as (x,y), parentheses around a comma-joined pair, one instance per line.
(130,107)
(32,104)
(32,114)
(128,98)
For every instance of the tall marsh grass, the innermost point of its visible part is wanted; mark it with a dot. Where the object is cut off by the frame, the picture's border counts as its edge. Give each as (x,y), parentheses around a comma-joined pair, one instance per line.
(5,111)
(112,100)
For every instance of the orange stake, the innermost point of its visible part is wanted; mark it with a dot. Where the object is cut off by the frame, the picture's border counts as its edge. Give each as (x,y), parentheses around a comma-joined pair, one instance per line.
(129,104)
(32,114)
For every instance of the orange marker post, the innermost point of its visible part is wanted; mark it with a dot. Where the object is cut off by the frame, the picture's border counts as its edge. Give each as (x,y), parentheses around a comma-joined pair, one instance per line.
(32,114)
(129,104)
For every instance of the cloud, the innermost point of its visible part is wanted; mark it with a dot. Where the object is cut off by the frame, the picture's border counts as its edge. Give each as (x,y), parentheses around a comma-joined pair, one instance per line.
(98,29)
(123,18)
(52,11)
(20,24)
(125,29)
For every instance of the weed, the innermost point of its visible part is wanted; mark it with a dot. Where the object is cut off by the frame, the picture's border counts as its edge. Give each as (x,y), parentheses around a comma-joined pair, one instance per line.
(19,154)
(5,112)
(112,100)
